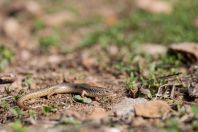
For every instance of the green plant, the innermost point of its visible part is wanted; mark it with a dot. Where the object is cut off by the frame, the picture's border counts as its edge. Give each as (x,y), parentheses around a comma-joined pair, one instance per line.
(132,82)
(91,39)
(48,109)
(174,60)
(6,56)
(32,113)
(82,99)
(16,111)
(141,27)
(38,24)
(5,105)
(48,41)
(27,81)
(123,67)
(18,127)
(171,125)
(195,110)
(195,125)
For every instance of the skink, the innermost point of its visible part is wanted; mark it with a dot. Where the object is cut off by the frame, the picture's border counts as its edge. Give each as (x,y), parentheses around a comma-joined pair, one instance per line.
(83,89)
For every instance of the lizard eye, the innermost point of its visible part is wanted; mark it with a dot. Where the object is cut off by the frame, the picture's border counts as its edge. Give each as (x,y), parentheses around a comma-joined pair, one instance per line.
(107,91)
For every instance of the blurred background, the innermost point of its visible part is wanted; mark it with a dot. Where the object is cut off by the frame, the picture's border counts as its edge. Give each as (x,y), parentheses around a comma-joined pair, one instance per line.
(34,28)
(119,44)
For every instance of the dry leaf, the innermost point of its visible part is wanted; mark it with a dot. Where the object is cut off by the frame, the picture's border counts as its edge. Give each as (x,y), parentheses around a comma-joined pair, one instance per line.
(154,6)
(72,113)
(54,59)
(111,20)
(152,109)
(97,114)
(58,19)
(7,78)
(153,49)
(15,30)
(34,8)
(88,61)
(11,27)
(25,55)
(189,51)
(113,50)
(127,105)
(139,121)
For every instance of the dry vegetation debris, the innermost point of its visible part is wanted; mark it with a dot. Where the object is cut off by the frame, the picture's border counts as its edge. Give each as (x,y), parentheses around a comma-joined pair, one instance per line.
(117,45)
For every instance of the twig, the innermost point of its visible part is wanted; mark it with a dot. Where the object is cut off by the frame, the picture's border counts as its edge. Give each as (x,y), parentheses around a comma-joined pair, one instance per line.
(6,98)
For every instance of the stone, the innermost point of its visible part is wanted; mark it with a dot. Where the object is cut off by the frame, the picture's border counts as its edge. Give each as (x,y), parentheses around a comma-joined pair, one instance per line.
(152,109)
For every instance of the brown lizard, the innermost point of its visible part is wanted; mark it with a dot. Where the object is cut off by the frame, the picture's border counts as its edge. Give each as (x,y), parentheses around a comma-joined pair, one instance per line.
(83,89)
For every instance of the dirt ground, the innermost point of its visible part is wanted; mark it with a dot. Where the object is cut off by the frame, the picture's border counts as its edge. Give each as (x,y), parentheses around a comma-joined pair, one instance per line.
(42,45)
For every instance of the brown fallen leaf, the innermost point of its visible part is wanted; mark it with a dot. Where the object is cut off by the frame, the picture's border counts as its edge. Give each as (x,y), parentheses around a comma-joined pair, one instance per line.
(75,114)
(54,59)
(154,6)
(187,50)
(101,128)
(42,126)
(33,8)
(153,49)
(97,114)
(122,108)
(113,50)
(139,121)
(14,29)
(7,78)
(88,61)
(111,20)
(106,12)
(58,19)
(25,55)
(11,27)
(152,109)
